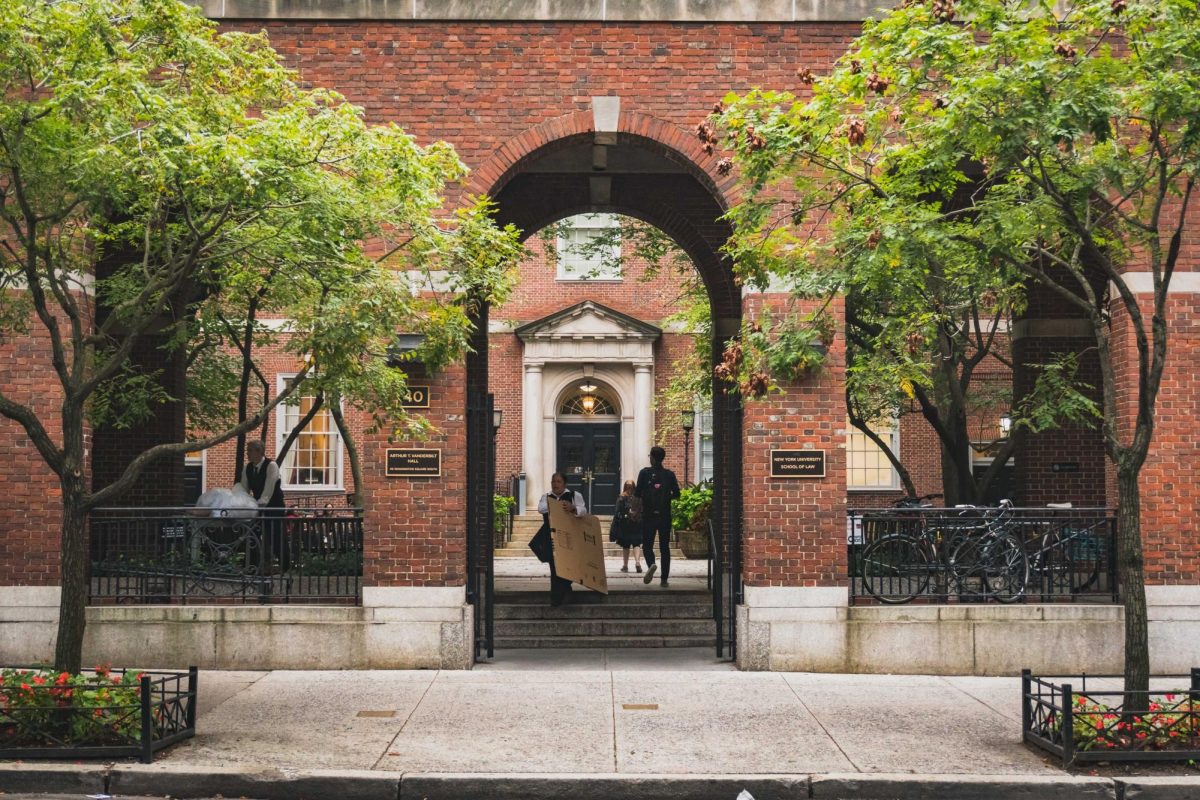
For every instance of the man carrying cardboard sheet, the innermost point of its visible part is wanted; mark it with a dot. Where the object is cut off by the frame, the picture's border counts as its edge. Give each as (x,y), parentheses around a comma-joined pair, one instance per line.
(578,548)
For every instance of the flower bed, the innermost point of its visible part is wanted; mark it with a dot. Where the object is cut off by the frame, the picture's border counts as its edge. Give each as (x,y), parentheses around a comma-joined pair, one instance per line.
(96,714)
(1097,724)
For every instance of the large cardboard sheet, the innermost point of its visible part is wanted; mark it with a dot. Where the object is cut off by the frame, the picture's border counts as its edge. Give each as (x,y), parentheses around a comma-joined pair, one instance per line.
(578,548)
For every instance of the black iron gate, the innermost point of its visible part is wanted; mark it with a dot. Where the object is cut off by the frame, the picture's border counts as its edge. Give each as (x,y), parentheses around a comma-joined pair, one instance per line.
(727,515)
(481,480)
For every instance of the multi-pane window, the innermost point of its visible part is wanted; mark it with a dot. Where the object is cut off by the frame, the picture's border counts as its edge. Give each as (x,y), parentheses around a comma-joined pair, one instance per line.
(589,248)
(315,458)
(704,445)
(868,467)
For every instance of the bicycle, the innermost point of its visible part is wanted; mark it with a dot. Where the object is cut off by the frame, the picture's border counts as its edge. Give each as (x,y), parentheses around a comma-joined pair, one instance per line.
(898,567)
(1068,559)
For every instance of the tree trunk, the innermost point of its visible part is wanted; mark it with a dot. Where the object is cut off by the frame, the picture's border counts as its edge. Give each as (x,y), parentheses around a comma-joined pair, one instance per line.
(68,650)
(1130,566)
(335,409)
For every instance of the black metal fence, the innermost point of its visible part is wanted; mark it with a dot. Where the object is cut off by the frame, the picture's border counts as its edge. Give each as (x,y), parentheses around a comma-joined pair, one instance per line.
(1064,717)
(973,555)
(175,556)
(96,715)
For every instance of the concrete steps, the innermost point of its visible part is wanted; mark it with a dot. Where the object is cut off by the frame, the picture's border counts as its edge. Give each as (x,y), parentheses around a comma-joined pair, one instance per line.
(626,619)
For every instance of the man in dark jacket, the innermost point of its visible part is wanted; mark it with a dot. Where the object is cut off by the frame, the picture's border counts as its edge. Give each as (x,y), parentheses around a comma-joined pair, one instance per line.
(657,486)
(260,479)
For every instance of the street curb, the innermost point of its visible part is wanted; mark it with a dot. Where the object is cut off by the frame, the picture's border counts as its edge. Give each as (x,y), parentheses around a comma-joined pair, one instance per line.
(289,784)
(604,786)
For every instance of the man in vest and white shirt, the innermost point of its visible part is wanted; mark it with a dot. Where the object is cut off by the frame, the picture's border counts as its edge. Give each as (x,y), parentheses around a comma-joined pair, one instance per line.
(260,479)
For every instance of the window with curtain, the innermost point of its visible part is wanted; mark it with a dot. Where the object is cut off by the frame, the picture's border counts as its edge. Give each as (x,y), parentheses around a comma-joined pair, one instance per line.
(867,467)
(315,458)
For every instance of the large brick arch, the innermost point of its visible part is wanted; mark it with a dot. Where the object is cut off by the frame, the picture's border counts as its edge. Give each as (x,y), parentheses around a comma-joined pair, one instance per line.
(686,204)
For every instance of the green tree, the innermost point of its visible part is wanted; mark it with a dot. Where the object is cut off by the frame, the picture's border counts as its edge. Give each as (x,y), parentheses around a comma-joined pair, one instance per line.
(1069,136)
(154,176)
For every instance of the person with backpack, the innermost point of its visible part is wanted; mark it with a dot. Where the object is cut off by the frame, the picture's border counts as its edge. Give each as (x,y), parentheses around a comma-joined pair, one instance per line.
(657,486)
(626,529)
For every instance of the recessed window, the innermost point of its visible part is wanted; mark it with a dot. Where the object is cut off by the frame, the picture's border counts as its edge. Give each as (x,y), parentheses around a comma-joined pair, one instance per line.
(587,404)
(704,449)
(867,466)
(314,460)
(589,248)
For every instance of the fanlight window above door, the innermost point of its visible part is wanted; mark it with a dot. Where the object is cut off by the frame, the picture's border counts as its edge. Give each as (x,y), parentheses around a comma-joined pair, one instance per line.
(587,404)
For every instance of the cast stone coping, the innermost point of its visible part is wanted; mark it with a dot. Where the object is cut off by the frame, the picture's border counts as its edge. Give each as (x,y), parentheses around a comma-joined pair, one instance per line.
(26,596)
(729,11)
(795,596)
(1173,595)
(414,596)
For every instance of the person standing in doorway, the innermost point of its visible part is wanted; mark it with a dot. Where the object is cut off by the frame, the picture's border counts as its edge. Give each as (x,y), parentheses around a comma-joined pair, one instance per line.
(657,486)
(570,501)
(260,479)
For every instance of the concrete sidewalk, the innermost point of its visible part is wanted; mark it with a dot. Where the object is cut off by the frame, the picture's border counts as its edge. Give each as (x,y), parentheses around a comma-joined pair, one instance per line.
(583,724)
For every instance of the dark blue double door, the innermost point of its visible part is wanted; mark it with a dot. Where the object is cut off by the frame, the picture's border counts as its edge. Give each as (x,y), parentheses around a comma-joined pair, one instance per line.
(589,454)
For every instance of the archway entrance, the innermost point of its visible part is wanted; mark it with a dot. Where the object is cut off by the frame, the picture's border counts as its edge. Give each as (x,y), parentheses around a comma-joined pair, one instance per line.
(608,161)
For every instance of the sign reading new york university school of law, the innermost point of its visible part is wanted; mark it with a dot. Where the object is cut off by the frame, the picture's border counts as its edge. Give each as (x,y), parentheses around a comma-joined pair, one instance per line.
(413,463)
(797,463)
(417,397)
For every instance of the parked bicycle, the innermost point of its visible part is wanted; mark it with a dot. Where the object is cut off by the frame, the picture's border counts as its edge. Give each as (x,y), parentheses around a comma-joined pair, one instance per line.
(1068,558)
(976,555)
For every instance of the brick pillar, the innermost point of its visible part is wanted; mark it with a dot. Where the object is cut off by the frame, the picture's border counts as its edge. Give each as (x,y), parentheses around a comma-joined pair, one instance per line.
(1065,464)
(113,449)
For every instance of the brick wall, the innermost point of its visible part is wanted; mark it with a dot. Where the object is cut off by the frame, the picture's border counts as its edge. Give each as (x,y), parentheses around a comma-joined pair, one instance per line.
(31,522)
(788,522)
(416,526)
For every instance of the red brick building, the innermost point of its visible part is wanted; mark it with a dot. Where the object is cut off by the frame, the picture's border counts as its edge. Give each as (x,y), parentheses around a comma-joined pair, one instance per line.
(589,107)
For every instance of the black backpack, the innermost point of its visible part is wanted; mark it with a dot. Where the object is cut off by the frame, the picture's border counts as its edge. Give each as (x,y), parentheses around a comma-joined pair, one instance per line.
(656,497)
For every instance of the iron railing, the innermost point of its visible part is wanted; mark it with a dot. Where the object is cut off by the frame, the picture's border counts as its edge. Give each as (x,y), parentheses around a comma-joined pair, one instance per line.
(973,555)
(1064,717)
(107,715)
(183,556)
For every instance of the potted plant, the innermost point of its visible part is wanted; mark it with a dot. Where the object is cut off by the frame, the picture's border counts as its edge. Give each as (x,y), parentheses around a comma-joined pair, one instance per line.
(689,517)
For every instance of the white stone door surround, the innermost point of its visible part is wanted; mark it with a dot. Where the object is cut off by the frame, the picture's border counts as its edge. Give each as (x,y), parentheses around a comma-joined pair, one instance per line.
(593,341)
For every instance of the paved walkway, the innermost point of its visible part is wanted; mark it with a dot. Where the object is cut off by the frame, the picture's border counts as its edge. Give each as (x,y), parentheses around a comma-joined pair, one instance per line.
(584,724)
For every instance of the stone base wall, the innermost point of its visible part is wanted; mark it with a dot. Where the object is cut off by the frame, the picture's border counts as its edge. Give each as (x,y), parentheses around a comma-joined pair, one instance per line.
(814,630)
(406,628)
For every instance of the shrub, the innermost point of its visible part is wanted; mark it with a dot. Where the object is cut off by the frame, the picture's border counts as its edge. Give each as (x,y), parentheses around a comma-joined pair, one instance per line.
(692,508)
(503,505)
(40,708)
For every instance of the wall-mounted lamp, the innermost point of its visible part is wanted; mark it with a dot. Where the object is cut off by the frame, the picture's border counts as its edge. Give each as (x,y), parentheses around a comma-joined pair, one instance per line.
(689,420)
(497,418)
(1006,425)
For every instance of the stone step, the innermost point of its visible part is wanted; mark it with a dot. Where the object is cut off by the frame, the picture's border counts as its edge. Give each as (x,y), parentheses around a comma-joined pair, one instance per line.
(647,596)
(605,611)
(544,628)
(598,642)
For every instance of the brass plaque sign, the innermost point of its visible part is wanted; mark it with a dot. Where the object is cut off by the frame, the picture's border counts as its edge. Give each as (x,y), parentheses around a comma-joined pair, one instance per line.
(417,397)
(413,463)
(797,463)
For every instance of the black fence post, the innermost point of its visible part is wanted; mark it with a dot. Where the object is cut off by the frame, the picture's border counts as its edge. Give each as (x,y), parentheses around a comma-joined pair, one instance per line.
(1026,702)
(147,722)
(1068,726)
(193,688)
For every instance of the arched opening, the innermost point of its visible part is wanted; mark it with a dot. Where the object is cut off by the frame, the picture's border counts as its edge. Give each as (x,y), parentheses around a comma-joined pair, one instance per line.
(653,179)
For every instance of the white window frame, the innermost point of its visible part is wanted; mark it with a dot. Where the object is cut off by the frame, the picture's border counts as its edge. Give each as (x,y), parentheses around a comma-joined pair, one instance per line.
(853,432)
(703,432)
(572,267)
(283,427)
(190,460)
